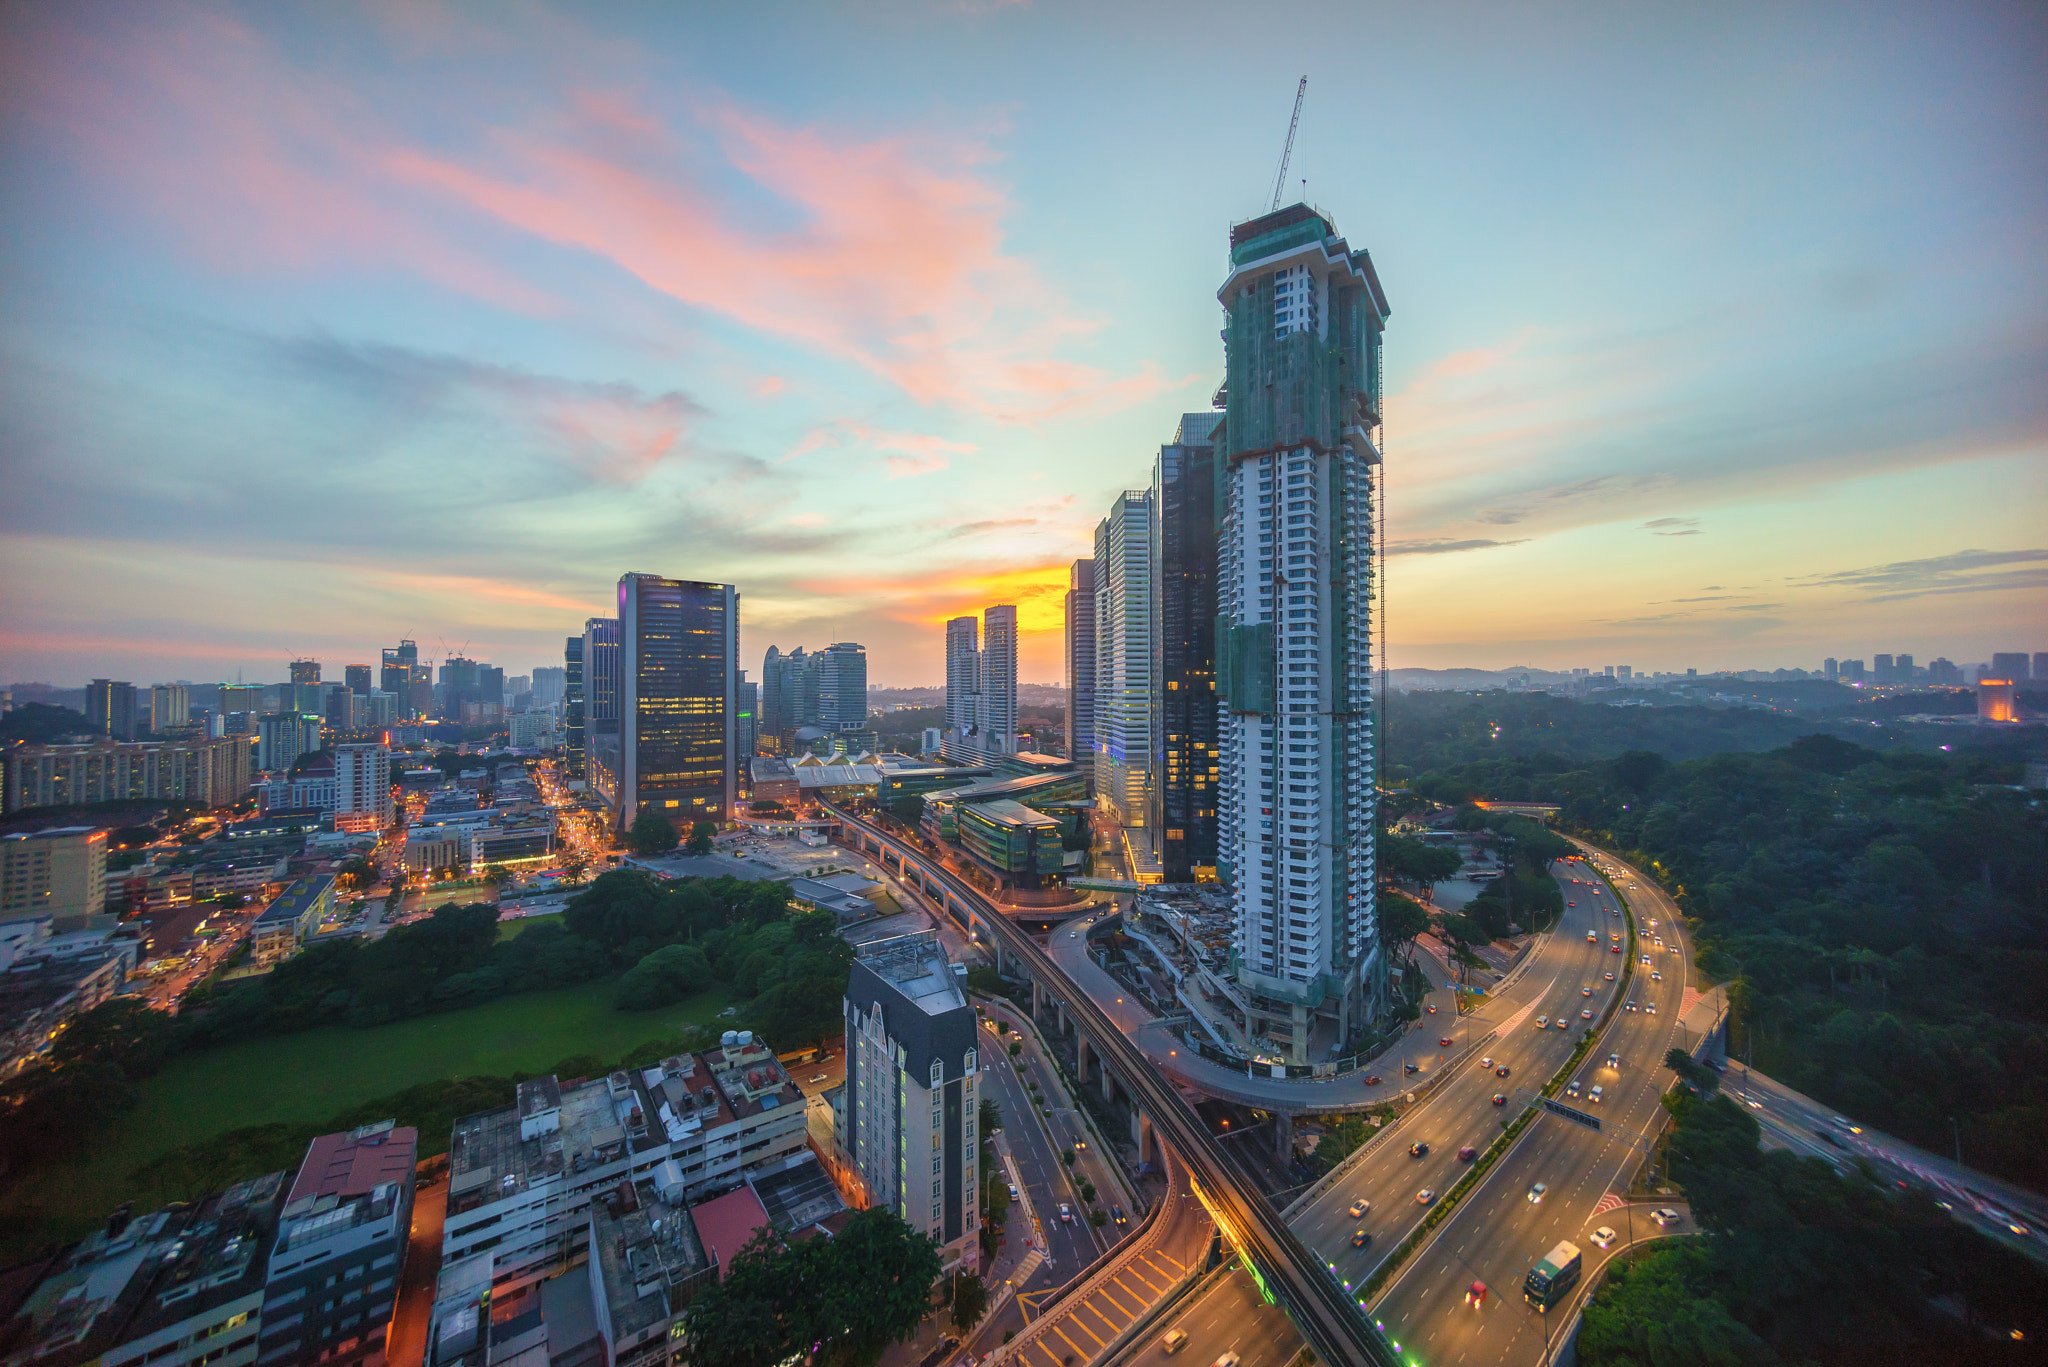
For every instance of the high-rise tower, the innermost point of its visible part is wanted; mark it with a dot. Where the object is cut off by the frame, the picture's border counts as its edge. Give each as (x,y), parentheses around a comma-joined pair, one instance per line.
(963,673)
(1123,659)
(996,710)
(678,678)
(1185,758)
(1081,664)
(1297,487)
(843,687)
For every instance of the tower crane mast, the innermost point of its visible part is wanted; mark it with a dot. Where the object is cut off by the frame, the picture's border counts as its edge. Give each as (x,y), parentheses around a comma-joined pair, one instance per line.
(1287,152)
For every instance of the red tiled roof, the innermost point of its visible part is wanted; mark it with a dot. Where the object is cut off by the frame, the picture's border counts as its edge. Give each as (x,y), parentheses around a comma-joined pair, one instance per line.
(338,1165)
(725,1225)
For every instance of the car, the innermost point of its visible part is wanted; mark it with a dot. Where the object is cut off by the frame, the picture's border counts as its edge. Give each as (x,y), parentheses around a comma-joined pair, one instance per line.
(1500,1098)
(1608,976)
(1631,1006)
(1359,1207)
(1468,1154)
(1543,1022)
(1486,1063)
(1066,1213)
(1655,976)
(1650,1008)
(1605,1237)
(1360,1238)
(1410,1068)
(1419,1149)
(1501,1071)
(1592,938)
(1614,1060)
(1373,1081)
(1175,1340)
(1563,1024)
(1432,1008)
(1653,923)
(1585,1015)
(1444,1042)
(1537,1193)
(1227,1360)
(1571,1088)
(1116,1213)
(1646,958)
(1424,1197)
(1594,1095)
(1614,935)
(819,1078)
(1666,1217)
(1848,1125)
(1013,1191)
(1614,949)
(1475,1295)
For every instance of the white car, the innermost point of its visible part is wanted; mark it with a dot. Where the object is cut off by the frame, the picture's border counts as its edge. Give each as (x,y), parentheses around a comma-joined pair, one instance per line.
(1486,1063)
(1360,1207)
(1537,1193)
(1543,1022)
(1605,1237)
(1666,1217)
(1066,1213)
(1425,1196)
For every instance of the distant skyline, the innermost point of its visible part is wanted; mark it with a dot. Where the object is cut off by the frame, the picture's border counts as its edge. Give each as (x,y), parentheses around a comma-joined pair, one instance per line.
(1717,337)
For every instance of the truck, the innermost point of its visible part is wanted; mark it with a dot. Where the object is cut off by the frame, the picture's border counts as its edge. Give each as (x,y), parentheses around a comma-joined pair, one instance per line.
(1556,1273)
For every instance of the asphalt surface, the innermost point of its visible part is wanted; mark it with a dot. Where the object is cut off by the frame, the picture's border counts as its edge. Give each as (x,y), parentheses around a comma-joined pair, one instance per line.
(1229,1317)
(1497,1232)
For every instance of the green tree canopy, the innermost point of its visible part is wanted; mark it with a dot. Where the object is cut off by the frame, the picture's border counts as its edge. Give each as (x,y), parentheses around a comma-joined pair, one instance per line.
(651,834)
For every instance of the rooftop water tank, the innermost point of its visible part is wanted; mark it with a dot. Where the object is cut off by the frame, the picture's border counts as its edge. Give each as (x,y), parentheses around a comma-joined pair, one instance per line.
(729,1038)
(746,1038)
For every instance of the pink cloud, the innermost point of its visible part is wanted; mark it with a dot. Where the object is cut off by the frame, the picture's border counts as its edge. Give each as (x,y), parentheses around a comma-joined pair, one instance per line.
(916,453)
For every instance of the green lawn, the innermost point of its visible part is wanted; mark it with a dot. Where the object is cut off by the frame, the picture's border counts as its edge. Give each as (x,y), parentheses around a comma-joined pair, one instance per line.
(508,929)
(318,1073)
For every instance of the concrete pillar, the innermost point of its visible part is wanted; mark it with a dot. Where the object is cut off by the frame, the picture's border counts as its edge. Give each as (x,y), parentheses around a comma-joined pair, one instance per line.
(1108,1087)
(1141,1134)
(1081,1058)
(1037,999)
(1060,1009)
(1283,1136)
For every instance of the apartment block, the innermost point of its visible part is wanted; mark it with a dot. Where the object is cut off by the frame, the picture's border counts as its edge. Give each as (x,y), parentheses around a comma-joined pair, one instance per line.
(340,1251)
(362,788)
(178,1287)
(292,919)
(61,872)
(212,772)
(911,1105)
(521,1179)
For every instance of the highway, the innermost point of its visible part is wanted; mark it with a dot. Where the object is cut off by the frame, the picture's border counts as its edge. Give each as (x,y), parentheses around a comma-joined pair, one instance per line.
(1498,1231)
(1326,1316)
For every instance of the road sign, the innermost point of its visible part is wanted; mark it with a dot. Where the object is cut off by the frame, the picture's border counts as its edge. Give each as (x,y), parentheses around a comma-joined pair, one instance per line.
(1573,1114)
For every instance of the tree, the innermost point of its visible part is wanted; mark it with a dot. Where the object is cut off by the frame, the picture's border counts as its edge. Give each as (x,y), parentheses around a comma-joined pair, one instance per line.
(991,1117)
(970,1300)
(1401,920)
(575,866)
(1413,861)
(701,835)
(651,834)
(907,808)
(667,975)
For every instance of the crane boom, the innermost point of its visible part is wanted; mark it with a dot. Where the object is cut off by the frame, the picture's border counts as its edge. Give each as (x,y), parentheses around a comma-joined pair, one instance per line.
(1287,152)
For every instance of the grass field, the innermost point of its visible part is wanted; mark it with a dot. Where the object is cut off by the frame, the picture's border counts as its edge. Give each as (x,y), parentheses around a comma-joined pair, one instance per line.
(318,1073)
(508,929)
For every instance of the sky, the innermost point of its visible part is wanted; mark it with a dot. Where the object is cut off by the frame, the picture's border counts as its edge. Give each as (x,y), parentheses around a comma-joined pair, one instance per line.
(1719,334)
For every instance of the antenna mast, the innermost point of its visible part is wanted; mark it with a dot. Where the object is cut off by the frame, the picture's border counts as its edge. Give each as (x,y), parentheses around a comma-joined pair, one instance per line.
(1287,152)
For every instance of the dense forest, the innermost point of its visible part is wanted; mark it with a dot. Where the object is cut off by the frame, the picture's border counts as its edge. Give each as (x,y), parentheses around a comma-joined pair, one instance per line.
(1802,1265)
(1884,916)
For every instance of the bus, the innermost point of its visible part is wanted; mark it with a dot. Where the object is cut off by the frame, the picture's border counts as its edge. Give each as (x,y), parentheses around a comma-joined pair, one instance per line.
(1550,1279)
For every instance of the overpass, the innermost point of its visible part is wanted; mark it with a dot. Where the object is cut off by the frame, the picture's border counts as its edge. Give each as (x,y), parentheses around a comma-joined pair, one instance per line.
(1285,1268)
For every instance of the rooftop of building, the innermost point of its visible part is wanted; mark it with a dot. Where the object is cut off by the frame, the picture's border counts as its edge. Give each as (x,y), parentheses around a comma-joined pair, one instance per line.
(995,789)
(822,775)
(57,833)
(296,900)
(347,1180)
(916,966)
(131,1278)
(1004,812)
(650,1255)
(727,1223)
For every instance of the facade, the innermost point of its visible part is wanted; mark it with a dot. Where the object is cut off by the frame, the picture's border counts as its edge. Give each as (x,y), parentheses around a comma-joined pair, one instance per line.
(531,730)
(1186,759)
(910,1102)
(1123,659)
(60,872)
(747,719)
(359,680)
(1994,700)
(281,737)
(362,788)
(2011,665)
(169,705)
(963,673)
(601,759)
(305,671)
(1020,846)
(110,705)
(1080,660)
(572,707)
(340,1251)
(1295,577)
(842,687)
(214,772)
(178,1287)
(678,678)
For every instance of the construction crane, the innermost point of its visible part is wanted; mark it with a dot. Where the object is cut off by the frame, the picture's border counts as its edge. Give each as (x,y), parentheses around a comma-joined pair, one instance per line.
(1287,152)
